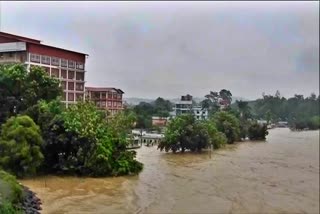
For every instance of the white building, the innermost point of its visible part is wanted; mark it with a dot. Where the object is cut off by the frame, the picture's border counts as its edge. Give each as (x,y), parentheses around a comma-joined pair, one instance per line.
(185,105)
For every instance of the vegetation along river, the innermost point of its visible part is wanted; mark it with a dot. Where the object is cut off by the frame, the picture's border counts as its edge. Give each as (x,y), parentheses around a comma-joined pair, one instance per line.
(277,176)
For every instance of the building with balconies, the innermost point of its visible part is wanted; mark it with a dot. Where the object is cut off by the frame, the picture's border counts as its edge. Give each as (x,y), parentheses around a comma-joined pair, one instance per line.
(109,99)
(66,65)
(185,106)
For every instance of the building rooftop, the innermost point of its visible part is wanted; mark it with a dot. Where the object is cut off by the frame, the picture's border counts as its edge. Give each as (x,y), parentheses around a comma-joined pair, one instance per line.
(103,89)
(33,41)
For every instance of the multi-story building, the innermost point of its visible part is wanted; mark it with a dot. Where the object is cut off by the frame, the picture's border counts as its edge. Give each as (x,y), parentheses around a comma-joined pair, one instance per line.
(66,65)
(106,98)
(185,105)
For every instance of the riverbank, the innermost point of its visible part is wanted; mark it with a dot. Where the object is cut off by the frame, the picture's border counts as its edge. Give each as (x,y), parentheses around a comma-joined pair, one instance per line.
(277,176)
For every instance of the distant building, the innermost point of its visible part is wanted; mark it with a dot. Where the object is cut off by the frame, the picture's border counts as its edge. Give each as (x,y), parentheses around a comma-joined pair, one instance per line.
(106,98)
(66,65)
(159,121)
(185,105)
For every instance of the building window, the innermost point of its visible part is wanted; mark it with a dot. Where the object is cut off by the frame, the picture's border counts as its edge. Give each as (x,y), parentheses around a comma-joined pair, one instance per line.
(80,66)
(64,63)
(103,104)
(70,86)
(80,76)
(63,74)
(198,112)
(203,112)
(119,96)
(71,64)
(114,104)
(103,95)
(46,69)
(70,96)
(109,103)
(119,104)
(55,61)
(114,96)
(45,60)
(79,86)
(109,95)
(55,72)
(63,85)
(35,58)
(96,95)
(79,96)
(70,75)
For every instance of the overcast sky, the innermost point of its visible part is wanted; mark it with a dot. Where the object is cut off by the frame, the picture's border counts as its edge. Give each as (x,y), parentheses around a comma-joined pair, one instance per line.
(167,49)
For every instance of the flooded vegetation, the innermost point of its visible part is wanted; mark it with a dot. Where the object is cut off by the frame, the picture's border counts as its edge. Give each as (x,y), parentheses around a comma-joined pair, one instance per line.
(277,176)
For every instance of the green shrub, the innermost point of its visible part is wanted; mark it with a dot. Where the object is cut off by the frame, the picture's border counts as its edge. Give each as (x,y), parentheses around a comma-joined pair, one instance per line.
(20,144)
(257,131)
(10,189)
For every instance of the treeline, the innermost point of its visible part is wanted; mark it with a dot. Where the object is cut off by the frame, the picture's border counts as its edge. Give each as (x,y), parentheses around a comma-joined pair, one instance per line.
(299,111)
(39,135)
(144,111)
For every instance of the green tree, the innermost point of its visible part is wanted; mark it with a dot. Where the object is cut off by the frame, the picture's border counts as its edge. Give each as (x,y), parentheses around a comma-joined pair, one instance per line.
(185,133)
(20,145)
(257,131)
(227,124)
(20,89)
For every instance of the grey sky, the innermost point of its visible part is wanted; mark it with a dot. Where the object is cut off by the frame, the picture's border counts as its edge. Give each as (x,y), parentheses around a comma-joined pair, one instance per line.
(151,49)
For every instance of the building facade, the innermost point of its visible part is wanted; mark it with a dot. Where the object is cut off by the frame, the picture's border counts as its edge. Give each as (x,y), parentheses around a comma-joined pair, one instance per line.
(66,65)
(106,98)
(185,106)
(159,121)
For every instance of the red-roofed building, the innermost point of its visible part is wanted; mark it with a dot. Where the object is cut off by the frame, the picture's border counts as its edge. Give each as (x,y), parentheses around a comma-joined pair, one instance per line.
(106,98)
(66,65)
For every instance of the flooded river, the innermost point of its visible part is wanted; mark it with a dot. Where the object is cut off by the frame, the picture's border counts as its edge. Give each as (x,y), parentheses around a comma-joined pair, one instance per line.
(277,176)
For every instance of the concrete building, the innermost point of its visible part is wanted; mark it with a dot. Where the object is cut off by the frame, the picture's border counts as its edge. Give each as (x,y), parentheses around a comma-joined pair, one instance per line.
(185,105)
(66,65)
(106,98)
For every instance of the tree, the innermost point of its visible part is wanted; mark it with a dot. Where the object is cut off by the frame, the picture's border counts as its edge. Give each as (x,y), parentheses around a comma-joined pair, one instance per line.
(20,145)
(20,89)
(185,133)
(227,124)
(257,131)
(226,96)
(244,108)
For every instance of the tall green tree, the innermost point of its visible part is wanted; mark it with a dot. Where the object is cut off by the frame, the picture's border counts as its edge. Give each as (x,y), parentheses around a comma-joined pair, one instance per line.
(20,146)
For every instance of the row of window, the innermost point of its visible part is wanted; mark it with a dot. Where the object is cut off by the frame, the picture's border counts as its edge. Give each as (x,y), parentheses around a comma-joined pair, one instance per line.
(71,86)
(72,96)
(64,74)
(71,75)
(56,61)
(103,95)
(102,104)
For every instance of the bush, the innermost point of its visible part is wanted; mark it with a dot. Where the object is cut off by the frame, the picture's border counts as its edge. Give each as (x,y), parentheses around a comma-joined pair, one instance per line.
(10,189)
(227,124)
(20,144)
(257,131)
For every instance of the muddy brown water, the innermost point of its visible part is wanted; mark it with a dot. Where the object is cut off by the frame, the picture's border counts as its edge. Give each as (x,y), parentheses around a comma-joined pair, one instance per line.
(277,176)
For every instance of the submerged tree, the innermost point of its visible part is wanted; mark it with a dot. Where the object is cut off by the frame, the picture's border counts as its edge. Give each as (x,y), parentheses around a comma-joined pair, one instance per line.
(185,133)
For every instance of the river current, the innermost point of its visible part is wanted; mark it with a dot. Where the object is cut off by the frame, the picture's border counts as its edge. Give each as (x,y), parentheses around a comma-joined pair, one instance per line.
(280,175)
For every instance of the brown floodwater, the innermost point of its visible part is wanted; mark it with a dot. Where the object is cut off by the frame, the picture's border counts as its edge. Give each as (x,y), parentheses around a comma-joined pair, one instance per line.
(277,176)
